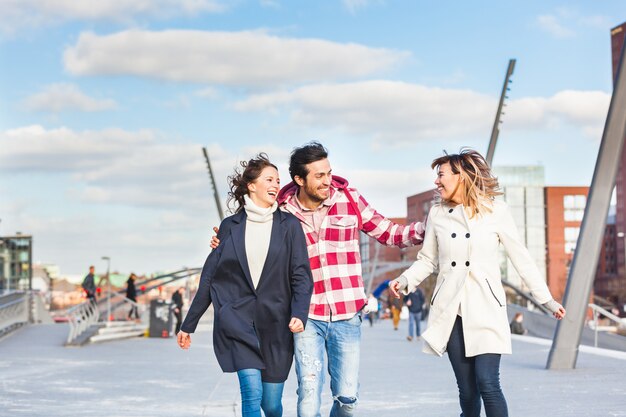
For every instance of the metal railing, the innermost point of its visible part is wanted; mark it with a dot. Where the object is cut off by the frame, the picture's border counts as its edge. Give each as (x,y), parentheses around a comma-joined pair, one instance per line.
(595,324)
(120,307)
(80,318)
(109,307)
(117,299)
(14,311)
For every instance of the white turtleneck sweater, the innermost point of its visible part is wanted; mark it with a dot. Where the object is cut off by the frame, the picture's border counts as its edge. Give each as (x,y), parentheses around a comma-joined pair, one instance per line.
(258,234)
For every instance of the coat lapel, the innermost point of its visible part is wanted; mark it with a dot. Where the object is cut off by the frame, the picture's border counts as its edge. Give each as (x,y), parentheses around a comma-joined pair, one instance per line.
(238,235)
(277,240)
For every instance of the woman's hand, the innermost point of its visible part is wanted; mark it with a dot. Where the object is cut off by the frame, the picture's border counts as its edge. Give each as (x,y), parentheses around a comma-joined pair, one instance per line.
(557,309)
(295,325)
(215,242)
(183,339)
(560,313)
(394,287)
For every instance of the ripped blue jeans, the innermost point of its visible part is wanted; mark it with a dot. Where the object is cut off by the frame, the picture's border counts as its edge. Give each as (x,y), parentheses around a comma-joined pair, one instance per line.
(338,341)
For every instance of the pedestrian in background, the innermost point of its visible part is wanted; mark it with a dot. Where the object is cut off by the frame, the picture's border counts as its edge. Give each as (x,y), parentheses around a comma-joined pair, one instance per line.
(414,301)
(131,295)
(468,317)
(177,304)
(517,324)
(89,284)
(395,306)
(372,309)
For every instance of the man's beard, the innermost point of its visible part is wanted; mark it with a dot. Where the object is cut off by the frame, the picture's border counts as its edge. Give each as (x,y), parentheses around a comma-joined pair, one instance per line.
(313,195)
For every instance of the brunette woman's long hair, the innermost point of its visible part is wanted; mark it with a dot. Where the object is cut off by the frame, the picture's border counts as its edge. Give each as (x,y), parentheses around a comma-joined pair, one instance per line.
(480,187)
(250,171)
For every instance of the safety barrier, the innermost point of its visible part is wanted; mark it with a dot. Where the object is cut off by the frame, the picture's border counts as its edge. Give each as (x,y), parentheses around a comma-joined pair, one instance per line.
(14,311)
(80,318)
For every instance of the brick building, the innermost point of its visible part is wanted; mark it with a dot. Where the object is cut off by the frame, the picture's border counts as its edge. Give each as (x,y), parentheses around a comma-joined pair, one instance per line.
(565,207)
(618,283)
(373,252)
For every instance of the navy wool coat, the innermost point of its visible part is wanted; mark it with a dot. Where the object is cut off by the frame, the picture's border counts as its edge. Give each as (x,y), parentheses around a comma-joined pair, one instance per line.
(251,326)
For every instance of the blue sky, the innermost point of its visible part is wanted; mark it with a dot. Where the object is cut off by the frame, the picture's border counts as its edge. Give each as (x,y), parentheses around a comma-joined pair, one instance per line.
(105,106)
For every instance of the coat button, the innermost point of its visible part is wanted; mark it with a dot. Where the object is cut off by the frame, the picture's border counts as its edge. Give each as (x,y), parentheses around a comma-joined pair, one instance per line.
(453,235)
(467,263)
(467,235)
(450,211)
(453,263)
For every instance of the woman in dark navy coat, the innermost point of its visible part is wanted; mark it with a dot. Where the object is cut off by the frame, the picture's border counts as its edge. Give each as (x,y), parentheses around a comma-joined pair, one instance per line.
(259,282)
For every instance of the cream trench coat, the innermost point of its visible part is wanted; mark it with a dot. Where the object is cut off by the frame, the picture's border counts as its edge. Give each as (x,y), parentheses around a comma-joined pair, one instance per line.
(465,251)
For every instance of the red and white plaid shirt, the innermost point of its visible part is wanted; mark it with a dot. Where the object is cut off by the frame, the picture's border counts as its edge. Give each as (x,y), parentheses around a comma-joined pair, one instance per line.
(333,247)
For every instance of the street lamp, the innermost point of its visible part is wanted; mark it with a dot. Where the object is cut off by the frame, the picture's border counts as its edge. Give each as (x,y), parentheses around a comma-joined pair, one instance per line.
(106,258)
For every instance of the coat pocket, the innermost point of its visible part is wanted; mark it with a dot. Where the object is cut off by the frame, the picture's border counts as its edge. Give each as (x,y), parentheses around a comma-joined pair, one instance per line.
(436,292)
(493,293)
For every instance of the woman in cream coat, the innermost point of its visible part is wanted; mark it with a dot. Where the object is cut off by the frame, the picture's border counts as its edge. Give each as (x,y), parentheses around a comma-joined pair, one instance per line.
(468,316)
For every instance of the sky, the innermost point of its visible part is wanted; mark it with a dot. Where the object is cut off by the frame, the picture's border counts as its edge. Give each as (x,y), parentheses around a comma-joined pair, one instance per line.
(105,107)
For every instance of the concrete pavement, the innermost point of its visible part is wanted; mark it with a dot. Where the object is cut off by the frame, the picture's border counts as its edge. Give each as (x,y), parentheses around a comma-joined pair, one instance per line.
(153,377)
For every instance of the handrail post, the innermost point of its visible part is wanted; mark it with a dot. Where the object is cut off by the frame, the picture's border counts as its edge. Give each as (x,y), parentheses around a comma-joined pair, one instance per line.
(595,317)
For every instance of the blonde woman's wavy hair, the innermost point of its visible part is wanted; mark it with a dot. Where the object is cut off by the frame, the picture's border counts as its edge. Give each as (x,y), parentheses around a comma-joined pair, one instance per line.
(480,186)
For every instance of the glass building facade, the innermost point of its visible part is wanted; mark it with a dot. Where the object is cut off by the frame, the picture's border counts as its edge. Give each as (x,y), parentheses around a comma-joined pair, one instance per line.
(16,263)
(523,188)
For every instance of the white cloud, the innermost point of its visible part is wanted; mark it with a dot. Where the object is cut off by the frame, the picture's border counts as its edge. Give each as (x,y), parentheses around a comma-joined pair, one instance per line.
(60,97)
(566,22)
(586,110)
(207,93)
(137,241)
(181,101)
(130,195)
(36,148)
(398,114)
(114,166)
(354,5)
(21,14)
(552,25)
(126,168)
(247,58)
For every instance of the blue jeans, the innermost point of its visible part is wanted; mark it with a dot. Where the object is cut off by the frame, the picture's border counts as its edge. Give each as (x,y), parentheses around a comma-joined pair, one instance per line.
(477,376)
(414,321)
(256,394)
(340,340)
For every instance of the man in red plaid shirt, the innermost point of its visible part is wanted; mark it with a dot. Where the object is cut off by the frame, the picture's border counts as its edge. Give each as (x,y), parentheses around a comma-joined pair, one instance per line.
(332,214)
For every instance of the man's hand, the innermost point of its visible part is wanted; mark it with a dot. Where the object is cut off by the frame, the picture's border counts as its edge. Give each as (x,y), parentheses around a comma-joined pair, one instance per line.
(295,325)
(183,339)
(215,242)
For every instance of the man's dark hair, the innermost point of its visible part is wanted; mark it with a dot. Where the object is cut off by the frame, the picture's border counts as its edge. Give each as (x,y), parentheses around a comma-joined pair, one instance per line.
(304,155)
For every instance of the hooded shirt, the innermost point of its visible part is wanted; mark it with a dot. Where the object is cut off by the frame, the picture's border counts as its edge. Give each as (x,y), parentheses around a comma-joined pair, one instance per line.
(333,247)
